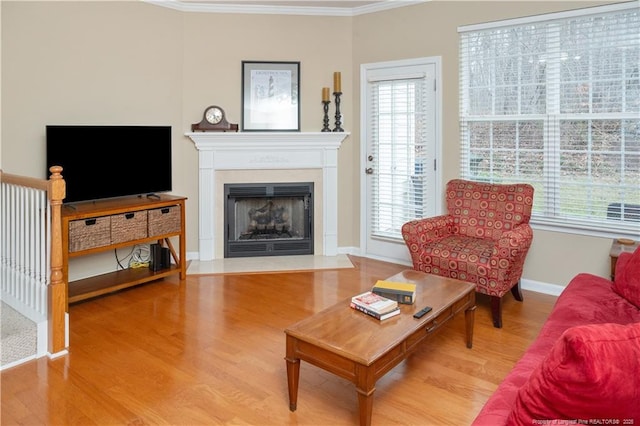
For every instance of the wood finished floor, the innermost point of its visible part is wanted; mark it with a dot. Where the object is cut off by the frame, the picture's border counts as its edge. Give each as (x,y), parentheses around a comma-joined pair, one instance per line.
(210,351)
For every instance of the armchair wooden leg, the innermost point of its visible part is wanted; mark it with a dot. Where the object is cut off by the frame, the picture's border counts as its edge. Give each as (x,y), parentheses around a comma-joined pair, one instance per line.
(496,311)
(517,291)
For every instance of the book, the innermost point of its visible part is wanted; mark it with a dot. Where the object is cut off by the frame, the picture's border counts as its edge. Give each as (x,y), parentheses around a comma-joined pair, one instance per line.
(404,293)
(381,317)
(374,302)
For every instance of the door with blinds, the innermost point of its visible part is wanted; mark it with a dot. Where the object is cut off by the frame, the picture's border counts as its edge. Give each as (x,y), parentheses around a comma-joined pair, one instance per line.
(400,145)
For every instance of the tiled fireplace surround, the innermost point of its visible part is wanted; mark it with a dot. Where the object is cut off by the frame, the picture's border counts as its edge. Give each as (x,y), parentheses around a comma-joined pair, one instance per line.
(267,157)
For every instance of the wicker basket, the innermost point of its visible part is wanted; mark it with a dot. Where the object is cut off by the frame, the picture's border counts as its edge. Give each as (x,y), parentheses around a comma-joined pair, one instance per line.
(164,221)
(128,226)
(85,234)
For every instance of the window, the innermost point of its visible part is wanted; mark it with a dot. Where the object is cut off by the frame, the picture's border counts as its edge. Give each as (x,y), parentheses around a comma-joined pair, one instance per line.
(554,101)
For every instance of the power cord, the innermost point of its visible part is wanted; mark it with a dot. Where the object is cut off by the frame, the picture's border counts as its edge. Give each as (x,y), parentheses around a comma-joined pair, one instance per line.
(140,257)
(115,253)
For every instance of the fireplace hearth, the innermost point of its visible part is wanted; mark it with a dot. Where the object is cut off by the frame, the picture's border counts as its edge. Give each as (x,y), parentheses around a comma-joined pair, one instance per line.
(270,219)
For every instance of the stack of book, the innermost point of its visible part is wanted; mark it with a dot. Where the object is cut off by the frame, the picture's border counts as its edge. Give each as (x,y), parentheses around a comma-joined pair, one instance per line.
(375,305)
(404,293)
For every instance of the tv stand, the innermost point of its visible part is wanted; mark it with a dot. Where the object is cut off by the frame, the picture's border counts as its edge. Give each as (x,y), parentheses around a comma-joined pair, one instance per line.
(104,225)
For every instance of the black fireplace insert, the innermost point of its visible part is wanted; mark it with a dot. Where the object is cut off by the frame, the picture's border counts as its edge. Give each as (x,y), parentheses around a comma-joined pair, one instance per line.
(268,219)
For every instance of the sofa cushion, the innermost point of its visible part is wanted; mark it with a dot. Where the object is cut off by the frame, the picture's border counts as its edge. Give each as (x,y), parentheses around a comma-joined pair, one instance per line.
(591,372)
(627,279)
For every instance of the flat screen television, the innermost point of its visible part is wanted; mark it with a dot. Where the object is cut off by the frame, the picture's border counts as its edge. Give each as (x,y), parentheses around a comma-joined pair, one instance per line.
(110,161)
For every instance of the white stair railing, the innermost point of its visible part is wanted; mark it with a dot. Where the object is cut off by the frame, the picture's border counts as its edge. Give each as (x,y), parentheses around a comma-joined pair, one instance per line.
(26,239)
(29,218)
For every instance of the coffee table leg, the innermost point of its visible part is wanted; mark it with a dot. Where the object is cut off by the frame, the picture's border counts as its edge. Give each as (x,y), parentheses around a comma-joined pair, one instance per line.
(365,407)
(293,373)
(469,316)
(365,386)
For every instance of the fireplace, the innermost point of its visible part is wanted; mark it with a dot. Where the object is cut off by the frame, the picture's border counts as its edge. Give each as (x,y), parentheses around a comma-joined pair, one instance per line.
(270,219)
(250,157)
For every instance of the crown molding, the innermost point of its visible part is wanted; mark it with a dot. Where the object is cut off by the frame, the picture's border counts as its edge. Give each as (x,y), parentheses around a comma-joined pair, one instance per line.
(205,7)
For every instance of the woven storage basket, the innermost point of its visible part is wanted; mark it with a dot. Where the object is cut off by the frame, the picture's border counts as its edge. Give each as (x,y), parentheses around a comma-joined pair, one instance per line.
(128,226)
(85,234)
(164,221)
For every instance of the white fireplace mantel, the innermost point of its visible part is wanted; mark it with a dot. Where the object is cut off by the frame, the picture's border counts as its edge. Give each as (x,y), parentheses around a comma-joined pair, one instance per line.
(266,151)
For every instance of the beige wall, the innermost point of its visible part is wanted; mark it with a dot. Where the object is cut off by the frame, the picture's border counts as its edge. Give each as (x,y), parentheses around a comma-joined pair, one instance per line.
(136,63)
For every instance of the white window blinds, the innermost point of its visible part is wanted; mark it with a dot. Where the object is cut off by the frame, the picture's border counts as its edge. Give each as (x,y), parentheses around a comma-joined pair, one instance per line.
(398,158)
(555,101)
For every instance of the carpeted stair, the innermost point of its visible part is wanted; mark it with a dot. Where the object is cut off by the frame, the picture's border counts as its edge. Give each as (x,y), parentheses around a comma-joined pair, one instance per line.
(19,337)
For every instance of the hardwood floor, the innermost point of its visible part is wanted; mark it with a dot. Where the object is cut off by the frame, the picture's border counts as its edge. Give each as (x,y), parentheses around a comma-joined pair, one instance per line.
(211,351)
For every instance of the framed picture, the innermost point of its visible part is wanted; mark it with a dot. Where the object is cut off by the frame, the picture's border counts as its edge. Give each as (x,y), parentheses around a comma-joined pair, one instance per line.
(270,96)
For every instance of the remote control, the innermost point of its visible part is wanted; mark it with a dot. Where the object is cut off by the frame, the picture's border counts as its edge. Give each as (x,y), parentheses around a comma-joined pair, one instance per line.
(422,312)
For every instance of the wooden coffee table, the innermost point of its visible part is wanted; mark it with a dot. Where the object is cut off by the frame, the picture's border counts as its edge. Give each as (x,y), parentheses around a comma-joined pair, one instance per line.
(362,349)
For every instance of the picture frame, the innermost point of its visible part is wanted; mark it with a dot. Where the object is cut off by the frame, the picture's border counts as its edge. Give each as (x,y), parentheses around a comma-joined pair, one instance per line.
(270,96)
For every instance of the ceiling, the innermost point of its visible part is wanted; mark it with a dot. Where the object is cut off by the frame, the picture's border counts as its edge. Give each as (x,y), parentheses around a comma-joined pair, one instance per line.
(286,7)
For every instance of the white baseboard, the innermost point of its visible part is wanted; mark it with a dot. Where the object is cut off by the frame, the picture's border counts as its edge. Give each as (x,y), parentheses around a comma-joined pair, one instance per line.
(540,287)
(349,250)
(18,362)
(356,252)
(193,255)
(58,354)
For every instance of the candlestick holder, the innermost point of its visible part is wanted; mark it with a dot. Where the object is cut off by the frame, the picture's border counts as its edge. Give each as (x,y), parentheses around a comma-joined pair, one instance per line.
(338,127)
(325,120)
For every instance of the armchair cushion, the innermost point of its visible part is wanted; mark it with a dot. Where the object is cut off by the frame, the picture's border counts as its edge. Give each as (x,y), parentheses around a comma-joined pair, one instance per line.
(459,257)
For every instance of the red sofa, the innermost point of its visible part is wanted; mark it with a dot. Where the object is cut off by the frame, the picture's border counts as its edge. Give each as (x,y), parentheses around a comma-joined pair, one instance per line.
(584,366)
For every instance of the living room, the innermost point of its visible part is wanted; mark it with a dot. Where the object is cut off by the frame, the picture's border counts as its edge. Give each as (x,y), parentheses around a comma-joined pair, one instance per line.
(140,63)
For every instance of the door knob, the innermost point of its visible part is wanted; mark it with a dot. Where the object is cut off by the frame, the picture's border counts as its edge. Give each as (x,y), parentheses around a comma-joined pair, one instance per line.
(370,158)
(368,170)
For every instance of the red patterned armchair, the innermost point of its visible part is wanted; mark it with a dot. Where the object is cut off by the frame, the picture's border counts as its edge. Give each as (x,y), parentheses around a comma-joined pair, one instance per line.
(483,239)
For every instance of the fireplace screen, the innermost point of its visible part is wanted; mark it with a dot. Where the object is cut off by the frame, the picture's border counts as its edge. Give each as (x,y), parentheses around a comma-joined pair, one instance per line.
(268,219)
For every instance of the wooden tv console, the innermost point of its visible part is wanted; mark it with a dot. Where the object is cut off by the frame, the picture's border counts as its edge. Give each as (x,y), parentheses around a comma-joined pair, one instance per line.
(98,226)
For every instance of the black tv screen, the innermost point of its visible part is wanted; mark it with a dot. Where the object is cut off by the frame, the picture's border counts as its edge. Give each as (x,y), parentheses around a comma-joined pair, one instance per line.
(110,161)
